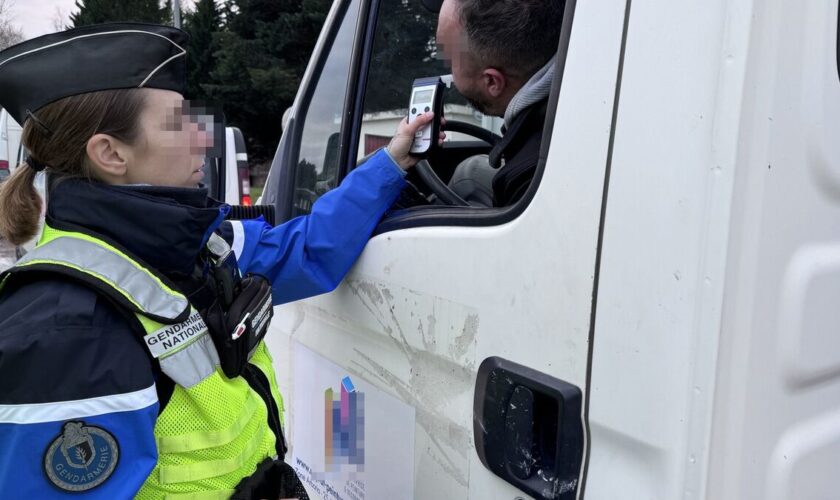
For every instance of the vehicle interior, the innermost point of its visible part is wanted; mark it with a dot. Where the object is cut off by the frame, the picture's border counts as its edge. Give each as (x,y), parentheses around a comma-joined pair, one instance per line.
(470,133)
(404,49)
(354,96)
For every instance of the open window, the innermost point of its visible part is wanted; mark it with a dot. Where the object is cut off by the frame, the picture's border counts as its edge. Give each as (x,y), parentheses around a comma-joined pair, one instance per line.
(355,93)
(404,49)
(308,160)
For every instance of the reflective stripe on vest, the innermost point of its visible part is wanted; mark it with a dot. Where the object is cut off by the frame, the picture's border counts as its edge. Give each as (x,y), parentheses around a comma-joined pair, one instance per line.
(186,359)
(185,351)
(107,264)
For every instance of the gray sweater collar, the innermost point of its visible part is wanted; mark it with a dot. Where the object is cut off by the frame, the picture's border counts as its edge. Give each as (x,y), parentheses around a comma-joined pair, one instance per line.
(534,90)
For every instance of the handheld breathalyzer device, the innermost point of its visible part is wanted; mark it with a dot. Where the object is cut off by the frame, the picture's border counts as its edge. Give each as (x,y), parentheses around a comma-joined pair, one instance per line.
(426,95)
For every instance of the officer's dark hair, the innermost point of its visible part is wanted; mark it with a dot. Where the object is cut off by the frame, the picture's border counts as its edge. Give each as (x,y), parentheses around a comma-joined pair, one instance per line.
(517,36)
(59,140)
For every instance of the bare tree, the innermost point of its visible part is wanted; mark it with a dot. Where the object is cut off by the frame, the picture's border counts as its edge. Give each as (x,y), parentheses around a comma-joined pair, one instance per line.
(9,33)
(60,19)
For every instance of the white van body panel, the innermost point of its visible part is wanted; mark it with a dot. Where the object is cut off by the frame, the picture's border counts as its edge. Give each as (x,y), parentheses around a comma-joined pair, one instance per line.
(4,135)
(712,368)
(776,430)
(663,265)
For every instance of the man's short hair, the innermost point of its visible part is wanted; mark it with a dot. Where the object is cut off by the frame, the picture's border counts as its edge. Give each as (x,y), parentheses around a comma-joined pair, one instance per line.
(519,36)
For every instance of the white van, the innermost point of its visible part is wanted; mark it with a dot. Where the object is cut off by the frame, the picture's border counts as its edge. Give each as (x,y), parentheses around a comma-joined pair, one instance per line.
(655,319)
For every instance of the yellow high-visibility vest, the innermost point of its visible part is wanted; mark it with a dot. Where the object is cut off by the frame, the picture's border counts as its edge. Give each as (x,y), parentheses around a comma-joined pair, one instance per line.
(214,430)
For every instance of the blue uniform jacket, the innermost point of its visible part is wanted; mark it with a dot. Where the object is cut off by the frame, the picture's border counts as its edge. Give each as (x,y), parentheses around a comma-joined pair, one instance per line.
(69,361)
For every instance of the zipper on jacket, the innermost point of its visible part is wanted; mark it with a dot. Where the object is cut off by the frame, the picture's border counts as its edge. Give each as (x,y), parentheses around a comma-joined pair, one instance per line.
(259,383)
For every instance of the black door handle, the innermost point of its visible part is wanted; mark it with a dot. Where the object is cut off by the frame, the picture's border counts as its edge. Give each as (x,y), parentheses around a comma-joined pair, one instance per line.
(519,433)
(528,428)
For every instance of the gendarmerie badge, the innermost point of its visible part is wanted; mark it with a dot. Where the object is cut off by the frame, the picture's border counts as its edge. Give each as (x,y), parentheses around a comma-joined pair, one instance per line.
(82,457)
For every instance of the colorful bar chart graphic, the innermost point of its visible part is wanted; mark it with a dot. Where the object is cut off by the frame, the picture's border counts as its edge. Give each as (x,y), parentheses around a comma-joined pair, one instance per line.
(344,429)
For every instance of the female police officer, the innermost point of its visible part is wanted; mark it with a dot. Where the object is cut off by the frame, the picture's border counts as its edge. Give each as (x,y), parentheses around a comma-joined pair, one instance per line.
(131,359)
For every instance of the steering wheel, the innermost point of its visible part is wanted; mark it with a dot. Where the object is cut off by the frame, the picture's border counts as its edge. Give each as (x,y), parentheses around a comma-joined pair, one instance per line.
(430,178)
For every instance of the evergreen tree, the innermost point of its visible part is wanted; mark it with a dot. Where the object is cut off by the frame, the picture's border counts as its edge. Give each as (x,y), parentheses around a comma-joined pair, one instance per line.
(103,11)
(403,49)
(262,54)
(166,15)
(201,23)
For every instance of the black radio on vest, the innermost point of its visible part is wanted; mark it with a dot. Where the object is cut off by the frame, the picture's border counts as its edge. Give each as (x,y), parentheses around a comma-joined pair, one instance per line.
(239,317)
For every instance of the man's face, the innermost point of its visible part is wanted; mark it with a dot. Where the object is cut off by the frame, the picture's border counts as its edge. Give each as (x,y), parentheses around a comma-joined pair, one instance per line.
(452,42)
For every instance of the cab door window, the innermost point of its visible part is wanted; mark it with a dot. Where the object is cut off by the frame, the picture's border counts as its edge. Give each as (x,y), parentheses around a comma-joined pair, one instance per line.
(405,49)
(359,98)
(317,167)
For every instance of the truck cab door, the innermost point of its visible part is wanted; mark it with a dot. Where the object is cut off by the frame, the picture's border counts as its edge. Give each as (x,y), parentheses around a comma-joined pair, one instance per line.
(453,361)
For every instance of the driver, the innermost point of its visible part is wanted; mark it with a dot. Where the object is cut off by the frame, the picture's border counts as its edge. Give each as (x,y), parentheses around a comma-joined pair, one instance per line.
(501,52)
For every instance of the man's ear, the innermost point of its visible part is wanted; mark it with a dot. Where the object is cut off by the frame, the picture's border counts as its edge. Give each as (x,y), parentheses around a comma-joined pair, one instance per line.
(107,156)
(494,81)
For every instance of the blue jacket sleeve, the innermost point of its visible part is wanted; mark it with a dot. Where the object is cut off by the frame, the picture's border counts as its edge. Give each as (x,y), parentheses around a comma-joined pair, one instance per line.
(311,254)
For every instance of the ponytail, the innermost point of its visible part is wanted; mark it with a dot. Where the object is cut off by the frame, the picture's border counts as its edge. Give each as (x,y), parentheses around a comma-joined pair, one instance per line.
(20,206)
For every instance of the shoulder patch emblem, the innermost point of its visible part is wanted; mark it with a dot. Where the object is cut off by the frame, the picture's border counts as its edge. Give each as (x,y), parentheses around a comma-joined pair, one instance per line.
(81,458)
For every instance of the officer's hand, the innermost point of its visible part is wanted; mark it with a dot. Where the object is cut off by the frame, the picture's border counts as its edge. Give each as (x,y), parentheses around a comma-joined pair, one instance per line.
(404,138)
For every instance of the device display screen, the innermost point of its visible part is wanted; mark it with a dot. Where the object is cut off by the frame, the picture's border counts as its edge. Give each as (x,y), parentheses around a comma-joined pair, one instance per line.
(422,96)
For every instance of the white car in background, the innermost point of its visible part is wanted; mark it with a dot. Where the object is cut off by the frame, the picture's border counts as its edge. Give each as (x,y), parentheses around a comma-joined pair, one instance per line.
(237,187)
(10,132)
